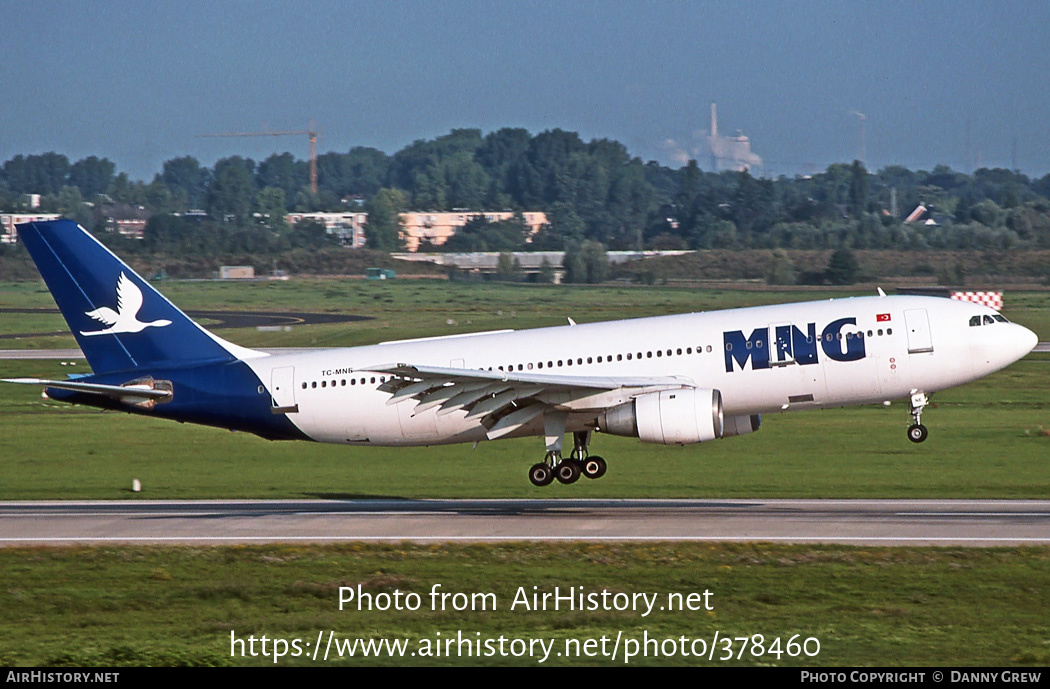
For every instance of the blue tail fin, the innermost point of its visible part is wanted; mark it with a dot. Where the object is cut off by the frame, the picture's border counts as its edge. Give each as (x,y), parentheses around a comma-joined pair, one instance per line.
(119,321)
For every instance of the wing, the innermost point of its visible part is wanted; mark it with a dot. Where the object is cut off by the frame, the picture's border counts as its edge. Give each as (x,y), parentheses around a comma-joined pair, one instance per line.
(104,315)
(505,401)
(129,297)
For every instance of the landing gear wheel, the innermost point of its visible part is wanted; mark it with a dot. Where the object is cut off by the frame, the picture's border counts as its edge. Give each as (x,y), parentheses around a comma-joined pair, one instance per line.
(541,474)
(917,433)
(567,472)
(593,467)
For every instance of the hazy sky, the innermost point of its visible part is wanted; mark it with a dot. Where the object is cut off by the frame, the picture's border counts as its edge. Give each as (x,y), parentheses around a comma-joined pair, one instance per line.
(137,81)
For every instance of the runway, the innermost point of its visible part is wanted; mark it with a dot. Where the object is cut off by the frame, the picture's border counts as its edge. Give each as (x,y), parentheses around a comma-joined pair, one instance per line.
(856,522)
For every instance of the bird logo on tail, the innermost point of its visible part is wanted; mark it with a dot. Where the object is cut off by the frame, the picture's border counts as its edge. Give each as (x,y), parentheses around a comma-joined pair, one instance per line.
(125,318)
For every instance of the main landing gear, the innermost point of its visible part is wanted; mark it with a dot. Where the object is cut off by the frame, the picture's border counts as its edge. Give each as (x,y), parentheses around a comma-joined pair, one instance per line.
(567,470)
(917,432)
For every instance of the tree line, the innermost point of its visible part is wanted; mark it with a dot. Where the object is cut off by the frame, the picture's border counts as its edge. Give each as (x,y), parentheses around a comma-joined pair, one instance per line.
(592,192)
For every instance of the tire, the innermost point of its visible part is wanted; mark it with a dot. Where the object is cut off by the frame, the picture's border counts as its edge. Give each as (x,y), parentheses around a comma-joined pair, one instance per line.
(917,433)
(593,467)
(567,472)
(541,474)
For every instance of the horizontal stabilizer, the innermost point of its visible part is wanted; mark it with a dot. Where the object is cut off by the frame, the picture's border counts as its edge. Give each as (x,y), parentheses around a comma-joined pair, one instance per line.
(144,390)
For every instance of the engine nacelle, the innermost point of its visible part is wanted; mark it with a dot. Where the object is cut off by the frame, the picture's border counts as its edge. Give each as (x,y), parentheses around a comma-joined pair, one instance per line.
(671,417)
(741,425)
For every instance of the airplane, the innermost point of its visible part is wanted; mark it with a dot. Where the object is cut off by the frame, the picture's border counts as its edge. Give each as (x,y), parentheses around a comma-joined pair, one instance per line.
(676,380)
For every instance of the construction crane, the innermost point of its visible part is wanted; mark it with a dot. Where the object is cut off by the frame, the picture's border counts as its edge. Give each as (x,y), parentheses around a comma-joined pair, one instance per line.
(311,132)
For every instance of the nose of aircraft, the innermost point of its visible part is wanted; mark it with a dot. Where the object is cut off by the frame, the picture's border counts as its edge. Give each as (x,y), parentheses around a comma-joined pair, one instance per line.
(1022,341)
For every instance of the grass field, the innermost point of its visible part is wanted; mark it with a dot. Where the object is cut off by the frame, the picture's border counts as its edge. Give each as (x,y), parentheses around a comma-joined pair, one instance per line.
(867,606)
(420,308)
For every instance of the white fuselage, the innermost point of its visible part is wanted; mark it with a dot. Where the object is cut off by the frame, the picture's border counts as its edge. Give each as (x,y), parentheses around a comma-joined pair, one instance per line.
(762,359)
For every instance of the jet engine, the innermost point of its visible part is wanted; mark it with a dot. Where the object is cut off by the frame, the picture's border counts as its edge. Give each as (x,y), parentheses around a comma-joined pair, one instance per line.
(671,417)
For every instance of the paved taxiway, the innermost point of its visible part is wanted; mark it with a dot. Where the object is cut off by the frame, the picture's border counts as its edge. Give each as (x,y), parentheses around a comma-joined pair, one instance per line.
(872,522)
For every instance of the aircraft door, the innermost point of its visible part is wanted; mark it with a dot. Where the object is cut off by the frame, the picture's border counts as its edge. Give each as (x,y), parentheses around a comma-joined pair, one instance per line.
(920,340)
(797,378)
(282,390)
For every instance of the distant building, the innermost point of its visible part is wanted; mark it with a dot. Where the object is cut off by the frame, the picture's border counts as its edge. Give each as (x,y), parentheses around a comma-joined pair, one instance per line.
(436,228)
(925,216)
(348,227)
(126,219)
(730,152)
(236,272)
(8,233)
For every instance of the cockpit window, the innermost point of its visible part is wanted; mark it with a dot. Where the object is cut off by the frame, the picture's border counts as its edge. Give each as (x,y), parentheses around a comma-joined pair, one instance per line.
(1001,319)
(975,321)
(988,320)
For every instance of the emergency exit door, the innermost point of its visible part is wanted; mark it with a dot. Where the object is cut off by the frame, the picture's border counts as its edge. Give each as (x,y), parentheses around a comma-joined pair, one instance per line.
(282,390)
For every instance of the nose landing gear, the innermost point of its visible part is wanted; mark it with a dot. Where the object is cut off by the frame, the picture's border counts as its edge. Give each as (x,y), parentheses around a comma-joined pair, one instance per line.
(917,432)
